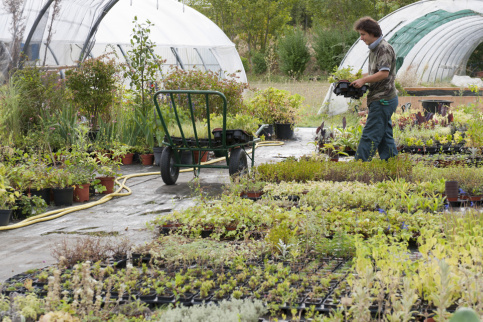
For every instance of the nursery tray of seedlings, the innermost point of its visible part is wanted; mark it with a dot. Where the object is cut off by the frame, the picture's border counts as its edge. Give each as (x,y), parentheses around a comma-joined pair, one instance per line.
(318,284)
(345,89)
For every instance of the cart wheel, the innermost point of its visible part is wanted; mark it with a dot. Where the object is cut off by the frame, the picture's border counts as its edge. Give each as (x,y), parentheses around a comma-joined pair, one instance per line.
(169,173)
(238,162)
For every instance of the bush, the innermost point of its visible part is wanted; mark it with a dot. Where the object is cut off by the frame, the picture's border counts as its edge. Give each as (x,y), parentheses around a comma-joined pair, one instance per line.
(38,92)
(293,53)
(180,79)
(330,46)
(258,62)
(93,85)
(276,106)
(246,64)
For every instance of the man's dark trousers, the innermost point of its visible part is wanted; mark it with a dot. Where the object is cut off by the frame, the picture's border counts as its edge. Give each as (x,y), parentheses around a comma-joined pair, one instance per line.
(377,133)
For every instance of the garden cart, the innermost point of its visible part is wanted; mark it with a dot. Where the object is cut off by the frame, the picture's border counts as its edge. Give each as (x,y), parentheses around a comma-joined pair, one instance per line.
(184,111)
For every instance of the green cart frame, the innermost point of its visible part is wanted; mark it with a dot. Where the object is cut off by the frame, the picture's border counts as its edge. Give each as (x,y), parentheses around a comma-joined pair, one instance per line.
(171,159)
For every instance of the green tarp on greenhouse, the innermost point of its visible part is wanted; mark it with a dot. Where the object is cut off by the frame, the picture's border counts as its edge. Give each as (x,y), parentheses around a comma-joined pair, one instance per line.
(408,36)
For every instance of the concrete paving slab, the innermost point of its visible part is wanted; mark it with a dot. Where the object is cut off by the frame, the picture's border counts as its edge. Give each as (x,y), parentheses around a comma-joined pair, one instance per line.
(126,217)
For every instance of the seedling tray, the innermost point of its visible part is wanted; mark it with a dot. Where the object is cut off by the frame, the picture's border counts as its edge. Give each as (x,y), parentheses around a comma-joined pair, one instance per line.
(345,89)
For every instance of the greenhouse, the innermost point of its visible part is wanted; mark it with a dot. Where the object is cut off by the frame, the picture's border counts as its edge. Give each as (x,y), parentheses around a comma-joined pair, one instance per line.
(432,39)
(81,29)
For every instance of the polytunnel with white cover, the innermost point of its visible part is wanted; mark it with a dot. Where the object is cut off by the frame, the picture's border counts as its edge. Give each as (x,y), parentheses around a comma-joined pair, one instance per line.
(432,39)
(88,28)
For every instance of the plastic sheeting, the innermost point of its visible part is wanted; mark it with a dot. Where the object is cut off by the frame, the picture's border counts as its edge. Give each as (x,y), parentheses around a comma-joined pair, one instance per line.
(444,34)
(183,36)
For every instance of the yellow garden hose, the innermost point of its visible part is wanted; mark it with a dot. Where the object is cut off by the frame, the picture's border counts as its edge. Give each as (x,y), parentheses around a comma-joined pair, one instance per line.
(64,211)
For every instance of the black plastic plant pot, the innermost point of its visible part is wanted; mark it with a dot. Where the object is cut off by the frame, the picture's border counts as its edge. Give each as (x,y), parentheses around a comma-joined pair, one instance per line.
(5,216)
(284,131)
(434,106)
(343,85)
(157,151)
(42,193)
(63,196)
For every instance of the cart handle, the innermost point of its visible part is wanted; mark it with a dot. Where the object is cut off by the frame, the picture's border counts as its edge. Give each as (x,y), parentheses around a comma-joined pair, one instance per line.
(189,92)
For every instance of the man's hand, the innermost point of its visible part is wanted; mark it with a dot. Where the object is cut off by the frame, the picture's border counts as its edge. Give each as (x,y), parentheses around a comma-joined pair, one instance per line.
(358,83)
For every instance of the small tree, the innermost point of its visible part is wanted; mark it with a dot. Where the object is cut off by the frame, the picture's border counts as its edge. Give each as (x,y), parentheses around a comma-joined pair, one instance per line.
(93,86)
(143,63)
(17,28)
(293,53)
(55,14)
(330,46)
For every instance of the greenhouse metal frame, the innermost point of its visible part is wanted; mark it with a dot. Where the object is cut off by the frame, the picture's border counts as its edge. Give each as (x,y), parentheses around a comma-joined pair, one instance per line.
(433,40)
(90,28)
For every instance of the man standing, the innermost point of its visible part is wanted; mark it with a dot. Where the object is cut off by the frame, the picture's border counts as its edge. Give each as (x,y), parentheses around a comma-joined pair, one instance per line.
(382,99)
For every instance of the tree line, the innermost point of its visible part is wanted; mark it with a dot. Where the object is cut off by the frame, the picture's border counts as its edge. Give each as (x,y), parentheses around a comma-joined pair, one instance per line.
(258,27)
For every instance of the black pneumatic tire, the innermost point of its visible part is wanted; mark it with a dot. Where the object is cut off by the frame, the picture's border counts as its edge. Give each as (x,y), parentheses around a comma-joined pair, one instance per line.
(169,173)
(238,162)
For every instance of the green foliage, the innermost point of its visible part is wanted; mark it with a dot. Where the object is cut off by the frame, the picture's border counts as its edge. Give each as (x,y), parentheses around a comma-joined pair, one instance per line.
(180,79)
(30,205)
(331,45)
(7,195)
(246,63)
(244,122)
(341,245)
(294,53)
(344,74)
(259,63)
(313,169)
(255,23)
(93,87)
(276,106)
(342,14)
(38,92)
(10,112)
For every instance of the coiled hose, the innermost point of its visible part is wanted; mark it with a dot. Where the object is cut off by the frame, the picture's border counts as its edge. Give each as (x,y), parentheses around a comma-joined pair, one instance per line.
(64,211)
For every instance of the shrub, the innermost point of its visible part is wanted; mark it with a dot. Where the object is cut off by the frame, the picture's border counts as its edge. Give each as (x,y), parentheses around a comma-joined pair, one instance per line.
(246,64)
(180,79)
(293,53)
(276,106)
(330,46)
(38,93)
(258,62)
(93,85)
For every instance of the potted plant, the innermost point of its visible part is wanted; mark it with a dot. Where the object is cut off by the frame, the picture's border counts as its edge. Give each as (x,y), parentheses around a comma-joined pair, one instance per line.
(333,152)
(278,107)
(7,198)
(93,86)
(83,169)
(342,78)
(122,152)
(62,185)
(107,172)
